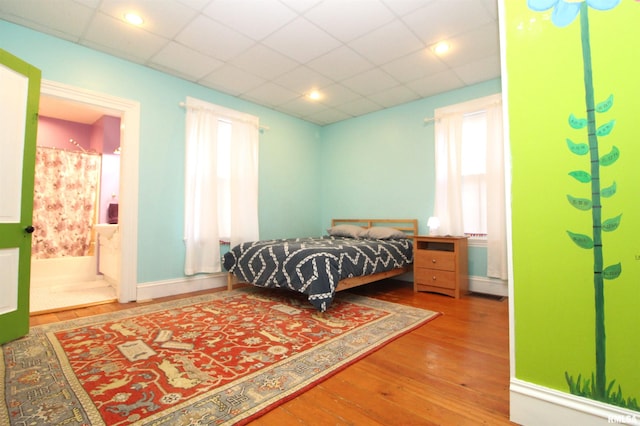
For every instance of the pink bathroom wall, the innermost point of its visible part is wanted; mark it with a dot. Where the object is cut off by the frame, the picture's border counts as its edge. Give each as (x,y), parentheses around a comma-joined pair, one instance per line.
(56,133)
(101,137)
(110,184)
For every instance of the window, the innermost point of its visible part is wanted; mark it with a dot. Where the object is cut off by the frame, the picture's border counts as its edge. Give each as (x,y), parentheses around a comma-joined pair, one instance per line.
(470,187)
(224,180)
(221,183)
(473,170)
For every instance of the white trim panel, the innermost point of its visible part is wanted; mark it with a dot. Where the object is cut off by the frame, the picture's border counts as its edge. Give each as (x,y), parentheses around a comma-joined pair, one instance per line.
(156,289)
(9,263)
(129,112)
(534,405)
(13,115)
(486,285)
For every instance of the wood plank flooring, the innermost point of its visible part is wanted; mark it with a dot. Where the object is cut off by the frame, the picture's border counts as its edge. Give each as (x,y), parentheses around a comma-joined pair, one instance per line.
(451,371)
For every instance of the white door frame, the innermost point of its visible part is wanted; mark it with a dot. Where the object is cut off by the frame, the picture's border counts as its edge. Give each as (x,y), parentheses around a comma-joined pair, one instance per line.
(129,111)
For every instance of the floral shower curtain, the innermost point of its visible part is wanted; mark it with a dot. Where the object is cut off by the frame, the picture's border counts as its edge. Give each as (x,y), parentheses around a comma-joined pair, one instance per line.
(66,189)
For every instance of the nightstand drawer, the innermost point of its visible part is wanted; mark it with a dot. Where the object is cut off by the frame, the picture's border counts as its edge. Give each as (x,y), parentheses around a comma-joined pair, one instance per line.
(434,277)
(443,260)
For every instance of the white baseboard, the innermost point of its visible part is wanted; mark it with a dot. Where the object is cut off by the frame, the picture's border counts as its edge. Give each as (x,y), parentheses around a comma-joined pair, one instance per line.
(534,405)
(156,289)
(488,285)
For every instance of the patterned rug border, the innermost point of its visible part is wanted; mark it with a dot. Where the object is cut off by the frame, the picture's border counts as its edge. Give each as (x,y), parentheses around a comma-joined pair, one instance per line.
(417,318)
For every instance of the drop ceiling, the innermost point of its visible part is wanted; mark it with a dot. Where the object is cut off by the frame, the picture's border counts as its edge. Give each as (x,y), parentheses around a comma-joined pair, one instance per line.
(361,55)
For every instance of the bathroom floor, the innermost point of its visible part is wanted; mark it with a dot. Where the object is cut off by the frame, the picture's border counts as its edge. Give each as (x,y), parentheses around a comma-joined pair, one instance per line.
(60,296)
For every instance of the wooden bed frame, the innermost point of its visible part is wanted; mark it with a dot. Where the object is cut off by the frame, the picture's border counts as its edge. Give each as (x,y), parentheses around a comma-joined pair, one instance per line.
(408,226)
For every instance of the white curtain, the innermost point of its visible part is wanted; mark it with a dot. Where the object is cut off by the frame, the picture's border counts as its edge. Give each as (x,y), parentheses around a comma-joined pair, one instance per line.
(448,196)
(496,207)
(448,191)
(244,182)
(202,183)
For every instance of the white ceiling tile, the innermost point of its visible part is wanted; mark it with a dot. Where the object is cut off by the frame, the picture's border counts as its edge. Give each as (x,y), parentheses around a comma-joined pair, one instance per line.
(164,21)
(369,82)
(415,65)
(337,94)
(358,107)
(256,19)
(64,17)
(122,39)
(340,63)
(176,58)
(300,6)
(270,94)
(231,80)
(303,80)
(437,83)
(492,8)
(327,116)
(481,70)
(263,62)
(355,18)
(90,3)
(212,38)
(195,4)
(387,43)
(402,7)
(301,40)
(394,96)
(472,45)
(301,107)
(222,44)
(468,15)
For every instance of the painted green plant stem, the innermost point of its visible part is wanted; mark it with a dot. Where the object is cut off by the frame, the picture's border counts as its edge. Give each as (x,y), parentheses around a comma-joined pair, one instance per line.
(596,209)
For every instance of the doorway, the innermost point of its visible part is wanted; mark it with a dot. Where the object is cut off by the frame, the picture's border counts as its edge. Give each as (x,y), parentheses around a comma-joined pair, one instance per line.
(70,103)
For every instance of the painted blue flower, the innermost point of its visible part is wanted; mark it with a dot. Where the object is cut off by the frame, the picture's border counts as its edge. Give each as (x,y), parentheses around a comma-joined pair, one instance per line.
(565,11)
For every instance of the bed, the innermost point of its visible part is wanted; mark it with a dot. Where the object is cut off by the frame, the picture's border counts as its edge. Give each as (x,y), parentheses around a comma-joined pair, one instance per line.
(355,252)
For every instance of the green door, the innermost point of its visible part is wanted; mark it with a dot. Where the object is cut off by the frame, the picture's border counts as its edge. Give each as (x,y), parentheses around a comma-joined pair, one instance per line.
(19,100)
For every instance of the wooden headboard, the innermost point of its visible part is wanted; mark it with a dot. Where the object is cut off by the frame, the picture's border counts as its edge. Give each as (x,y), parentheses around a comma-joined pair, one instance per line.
(408,226)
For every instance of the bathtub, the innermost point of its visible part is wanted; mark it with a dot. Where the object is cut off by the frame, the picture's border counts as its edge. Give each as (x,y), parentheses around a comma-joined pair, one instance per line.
(46,272)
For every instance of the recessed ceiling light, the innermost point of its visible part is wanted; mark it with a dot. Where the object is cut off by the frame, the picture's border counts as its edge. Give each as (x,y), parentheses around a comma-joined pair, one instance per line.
(133,18)
(314,95)
(441,48)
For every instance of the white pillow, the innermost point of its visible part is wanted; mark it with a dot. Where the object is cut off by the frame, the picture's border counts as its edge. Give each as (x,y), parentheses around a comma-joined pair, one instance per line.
(351,231)
(384,233)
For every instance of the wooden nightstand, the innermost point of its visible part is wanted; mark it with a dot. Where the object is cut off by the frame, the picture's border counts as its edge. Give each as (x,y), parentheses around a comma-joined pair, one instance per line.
(440,265)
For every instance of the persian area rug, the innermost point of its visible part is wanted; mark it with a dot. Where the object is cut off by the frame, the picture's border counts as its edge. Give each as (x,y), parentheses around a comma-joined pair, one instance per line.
(221,358)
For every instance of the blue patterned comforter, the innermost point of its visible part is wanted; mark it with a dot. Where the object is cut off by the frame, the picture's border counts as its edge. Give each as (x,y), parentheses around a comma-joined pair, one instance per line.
(314,266)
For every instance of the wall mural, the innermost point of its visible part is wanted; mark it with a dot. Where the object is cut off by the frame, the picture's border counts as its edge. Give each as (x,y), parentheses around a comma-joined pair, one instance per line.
(596,126)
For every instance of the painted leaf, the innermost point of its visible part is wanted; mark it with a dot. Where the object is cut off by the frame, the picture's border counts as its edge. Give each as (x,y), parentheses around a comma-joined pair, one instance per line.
(608,191)
(580,175)
(611,224)
(611,157)
(604,106)
(579,203)
(612,272)
(577,148)
(606,128)
(581,240)
(577,123)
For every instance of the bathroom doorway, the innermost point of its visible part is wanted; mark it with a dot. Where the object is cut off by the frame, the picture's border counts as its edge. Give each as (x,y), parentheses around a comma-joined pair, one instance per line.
(69,280)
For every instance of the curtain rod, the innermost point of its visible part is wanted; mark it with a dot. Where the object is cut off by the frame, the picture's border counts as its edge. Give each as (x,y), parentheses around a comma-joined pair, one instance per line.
(184,105)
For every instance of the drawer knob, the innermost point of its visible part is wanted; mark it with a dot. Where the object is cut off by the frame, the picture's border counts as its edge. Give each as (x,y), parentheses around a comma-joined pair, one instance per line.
(433,278)
(433,261)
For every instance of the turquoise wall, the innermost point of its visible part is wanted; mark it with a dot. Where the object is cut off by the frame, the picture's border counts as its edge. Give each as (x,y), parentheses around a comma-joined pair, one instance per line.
(378,165)
(289,151)
(382,164)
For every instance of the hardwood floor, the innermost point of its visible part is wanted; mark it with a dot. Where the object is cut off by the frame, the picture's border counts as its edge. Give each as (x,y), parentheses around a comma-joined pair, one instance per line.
(451,371)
